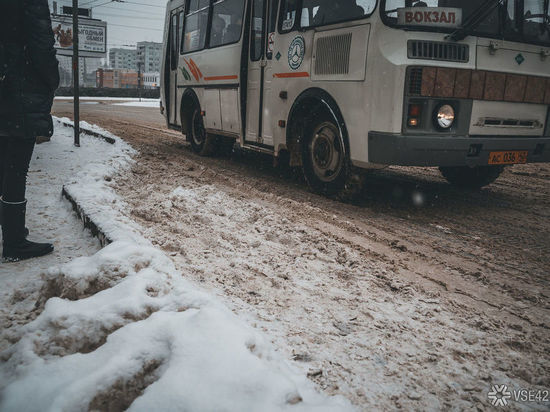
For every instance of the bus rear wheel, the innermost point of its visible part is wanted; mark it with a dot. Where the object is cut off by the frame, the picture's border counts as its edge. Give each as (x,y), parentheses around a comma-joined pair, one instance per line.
(202,143)
(326,164)
(471,177)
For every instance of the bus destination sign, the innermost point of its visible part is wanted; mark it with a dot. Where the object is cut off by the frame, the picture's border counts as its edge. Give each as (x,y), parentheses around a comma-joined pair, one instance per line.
(430,16)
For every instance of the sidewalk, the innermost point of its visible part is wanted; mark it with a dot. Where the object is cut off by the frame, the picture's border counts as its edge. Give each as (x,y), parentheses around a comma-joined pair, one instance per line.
(49,218)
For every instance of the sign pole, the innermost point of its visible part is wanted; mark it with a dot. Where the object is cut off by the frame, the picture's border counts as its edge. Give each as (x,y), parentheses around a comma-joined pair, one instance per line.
(139,80)
(76,76)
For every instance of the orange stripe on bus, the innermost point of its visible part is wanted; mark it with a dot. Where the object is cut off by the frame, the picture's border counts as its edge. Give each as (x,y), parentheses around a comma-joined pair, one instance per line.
(221,78)
(193,70)
(291,75)
(196,68)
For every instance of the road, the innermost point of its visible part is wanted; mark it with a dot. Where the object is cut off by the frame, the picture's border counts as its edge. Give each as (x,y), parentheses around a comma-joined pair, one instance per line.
(418,295)
(109,110)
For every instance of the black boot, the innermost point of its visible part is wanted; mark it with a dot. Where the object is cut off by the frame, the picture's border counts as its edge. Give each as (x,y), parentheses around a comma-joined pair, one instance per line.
(2,219)
(16,245)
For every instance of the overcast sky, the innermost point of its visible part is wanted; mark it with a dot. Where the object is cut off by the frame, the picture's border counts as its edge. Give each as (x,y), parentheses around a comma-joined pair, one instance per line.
(128,22)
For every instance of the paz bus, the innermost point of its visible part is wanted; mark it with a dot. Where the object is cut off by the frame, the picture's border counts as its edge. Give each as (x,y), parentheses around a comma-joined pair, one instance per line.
(348,85)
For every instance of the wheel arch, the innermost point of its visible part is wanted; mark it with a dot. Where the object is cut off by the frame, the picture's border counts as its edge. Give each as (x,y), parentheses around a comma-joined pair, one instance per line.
(308,104)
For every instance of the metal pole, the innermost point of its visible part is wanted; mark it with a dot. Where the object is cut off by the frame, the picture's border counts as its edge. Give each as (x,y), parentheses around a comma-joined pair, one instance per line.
(139,80)
(76,76)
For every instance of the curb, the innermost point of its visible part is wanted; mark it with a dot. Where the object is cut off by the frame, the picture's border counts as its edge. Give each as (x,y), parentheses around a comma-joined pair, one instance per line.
(89,224)
(108,139)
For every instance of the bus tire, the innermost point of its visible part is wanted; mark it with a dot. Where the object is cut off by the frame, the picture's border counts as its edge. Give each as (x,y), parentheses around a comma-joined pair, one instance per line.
(325,159)
(202,143)
(471,177)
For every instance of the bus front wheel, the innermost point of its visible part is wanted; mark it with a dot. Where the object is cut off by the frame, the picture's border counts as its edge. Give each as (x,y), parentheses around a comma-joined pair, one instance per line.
(202,143)
(471,177)
(325,159)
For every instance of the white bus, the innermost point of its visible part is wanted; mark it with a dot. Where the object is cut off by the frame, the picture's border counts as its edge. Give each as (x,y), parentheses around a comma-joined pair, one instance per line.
(346,85)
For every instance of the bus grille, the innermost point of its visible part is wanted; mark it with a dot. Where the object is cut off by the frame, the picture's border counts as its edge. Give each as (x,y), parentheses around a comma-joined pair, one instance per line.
(415,81)
(431,50)
(333,54)
(443,82)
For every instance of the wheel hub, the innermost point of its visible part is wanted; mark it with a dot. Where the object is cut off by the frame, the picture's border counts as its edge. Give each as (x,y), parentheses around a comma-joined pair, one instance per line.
(326,152)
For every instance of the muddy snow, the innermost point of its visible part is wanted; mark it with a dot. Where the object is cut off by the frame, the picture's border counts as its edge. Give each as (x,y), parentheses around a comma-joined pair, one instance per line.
(122,328)
(356,326)
(417,296)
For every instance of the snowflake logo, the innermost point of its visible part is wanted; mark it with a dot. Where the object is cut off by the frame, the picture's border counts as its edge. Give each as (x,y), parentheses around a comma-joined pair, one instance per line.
(499,395)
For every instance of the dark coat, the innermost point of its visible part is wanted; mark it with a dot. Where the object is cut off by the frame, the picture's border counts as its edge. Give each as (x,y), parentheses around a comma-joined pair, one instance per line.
(28,67)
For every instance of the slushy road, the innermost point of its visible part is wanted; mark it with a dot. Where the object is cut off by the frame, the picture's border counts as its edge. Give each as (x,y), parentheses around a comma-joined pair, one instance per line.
(418,295)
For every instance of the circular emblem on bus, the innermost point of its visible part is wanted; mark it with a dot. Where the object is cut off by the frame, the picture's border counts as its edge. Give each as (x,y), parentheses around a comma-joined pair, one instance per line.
(296,52)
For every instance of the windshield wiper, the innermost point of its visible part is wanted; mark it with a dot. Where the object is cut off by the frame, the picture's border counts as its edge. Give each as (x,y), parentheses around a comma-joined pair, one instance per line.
(475,19)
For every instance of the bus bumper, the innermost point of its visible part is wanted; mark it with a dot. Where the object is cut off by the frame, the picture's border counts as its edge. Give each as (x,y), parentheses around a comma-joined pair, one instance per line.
(400,150)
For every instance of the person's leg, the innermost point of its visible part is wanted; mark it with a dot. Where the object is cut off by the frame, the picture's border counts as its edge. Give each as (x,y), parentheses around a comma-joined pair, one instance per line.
(3,142)
(16,163)
(5,154)
(17,158)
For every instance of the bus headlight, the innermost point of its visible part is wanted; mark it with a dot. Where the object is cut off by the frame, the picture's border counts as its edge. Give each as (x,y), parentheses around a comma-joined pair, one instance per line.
(445,116)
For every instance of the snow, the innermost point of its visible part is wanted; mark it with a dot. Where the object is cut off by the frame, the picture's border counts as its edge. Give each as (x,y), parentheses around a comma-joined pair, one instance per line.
(154,104)
(121,327)
(205,358)
(49,219)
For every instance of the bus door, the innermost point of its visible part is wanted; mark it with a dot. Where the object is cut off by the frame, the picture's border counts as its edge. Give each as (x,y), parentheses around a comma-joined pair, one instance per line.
(260,73)
(176,25)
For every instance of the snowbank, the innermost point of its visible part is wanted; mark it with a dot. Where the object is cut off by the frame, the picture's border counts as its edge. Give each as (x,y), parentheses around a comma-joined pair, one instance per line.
(49,218)
(123,329)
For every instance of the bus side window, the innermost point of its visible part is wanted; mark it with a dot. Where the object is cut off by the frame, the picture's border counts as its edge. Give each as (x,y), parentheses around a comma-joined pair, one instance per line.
(287,17)
(257,35)
(535,25)
(180,30)
(325,12)
(227,22)
(174,42)
(368,5)
(273,9)
(196,25)
(194,5)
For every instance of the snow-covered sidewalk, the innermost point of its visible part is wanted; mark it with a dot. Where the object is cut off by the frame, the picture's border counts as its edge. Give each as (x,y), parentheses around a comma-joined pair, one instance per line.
(49,218)
(154,104)
(120,327)
(107,99)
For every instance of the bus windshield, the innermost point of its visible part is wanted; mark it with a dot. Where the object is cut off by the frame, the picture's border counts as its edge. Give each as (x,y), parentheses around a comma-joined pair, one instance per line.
(525,21)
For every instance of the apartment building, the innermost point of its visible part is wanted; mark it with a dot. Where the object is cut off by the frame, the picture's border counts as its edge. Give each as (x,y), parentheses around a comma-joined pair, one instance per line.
(123,59)
(149,55)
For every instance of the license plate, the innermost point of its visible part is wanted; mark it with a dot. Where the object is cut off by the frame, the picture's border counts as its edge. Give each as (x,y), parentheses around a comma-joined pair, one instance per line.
(508,158)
